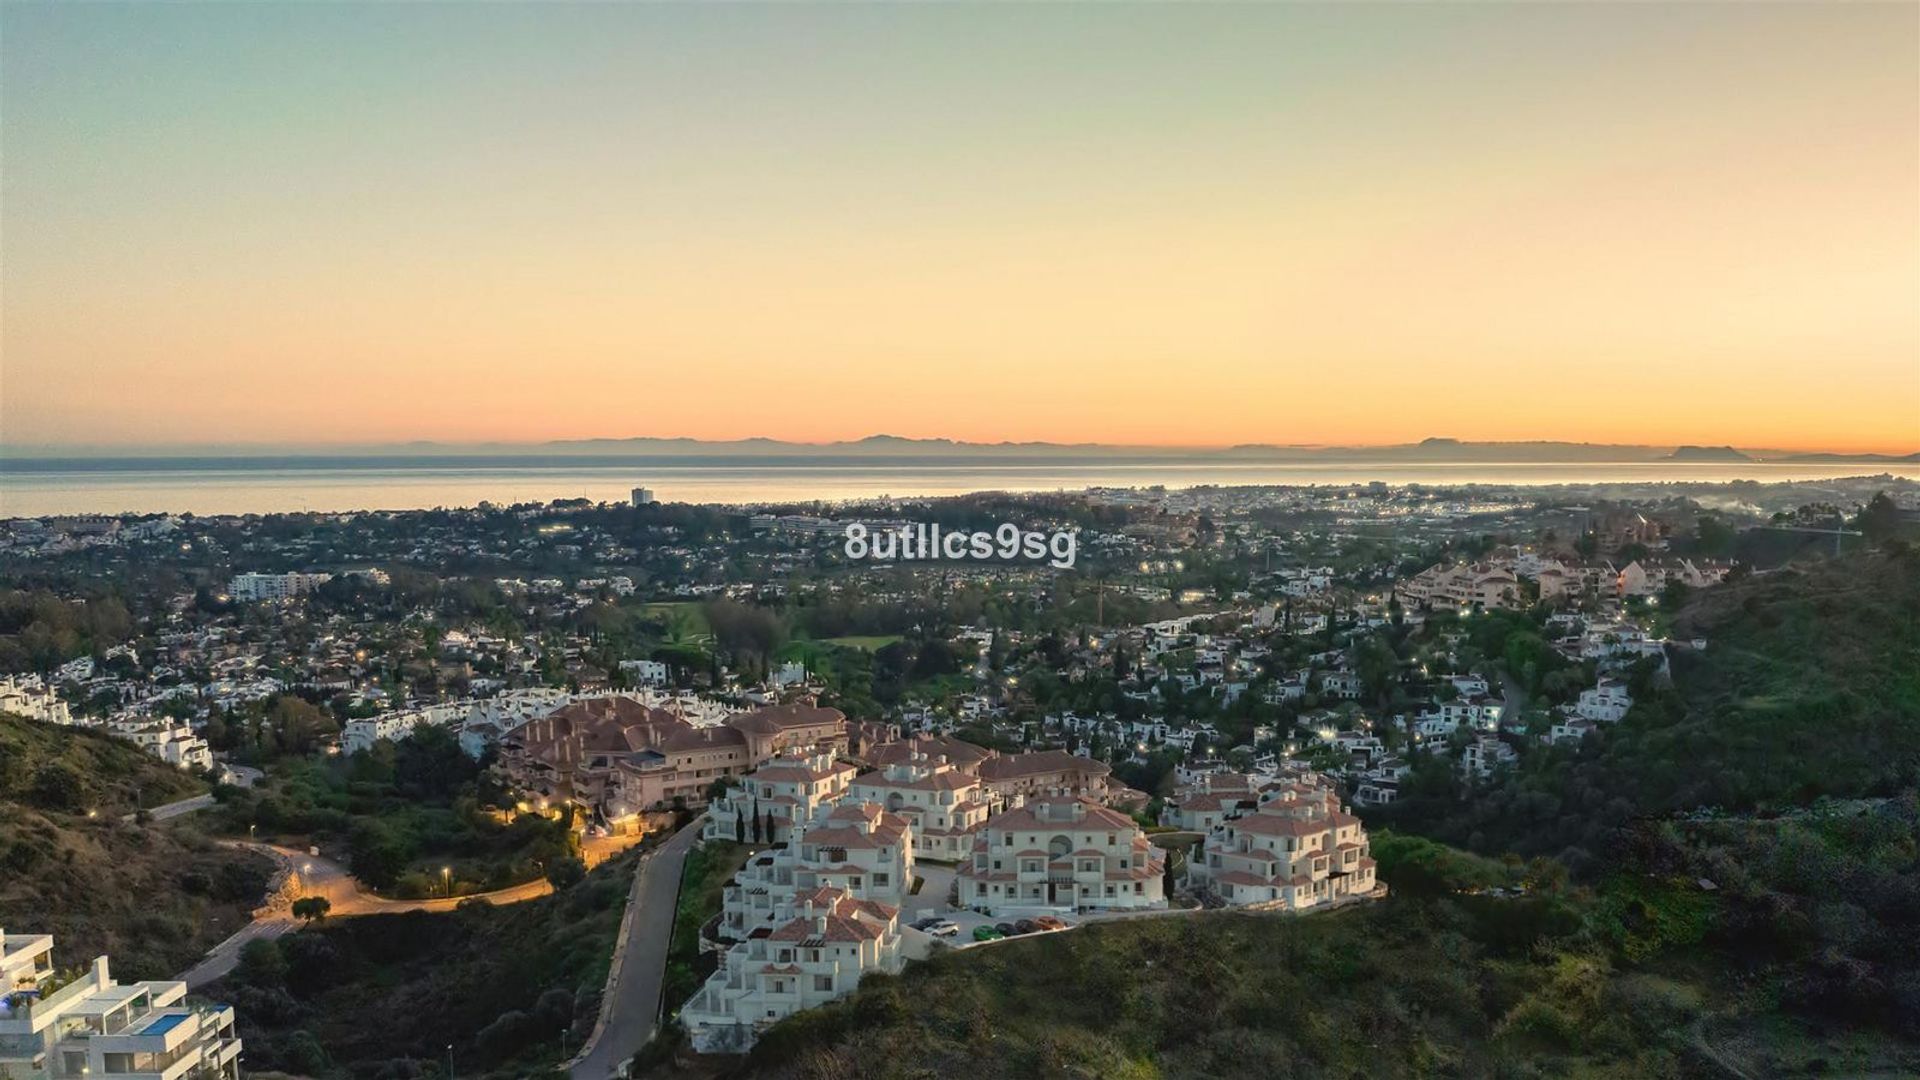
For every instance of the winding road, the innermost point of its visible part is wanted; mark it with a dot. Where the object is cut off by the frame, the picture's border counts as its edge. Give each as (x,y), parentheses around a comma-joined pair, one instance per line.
(315,875)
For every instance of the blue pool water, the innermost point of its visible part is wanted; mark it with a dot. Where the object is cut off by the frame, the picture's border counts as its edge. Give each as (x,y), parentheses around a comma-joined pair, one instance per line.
(164,1024)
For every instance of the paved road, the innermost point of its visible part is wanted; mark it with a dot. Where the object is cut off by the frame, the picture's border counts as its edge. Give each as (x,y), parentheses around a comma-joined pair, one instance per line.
(317,875)
(647,928)
(175,809)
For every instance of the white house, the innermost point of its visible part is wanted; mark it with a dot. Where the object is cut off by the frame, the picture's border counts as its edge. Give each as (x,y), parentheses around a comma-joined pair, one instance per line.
(1606,703)
(90,1025)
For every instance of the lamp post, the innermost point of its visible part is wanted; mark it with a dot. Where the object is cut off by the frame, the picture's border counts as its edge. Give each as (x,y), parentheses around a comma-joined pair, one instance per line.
(449,1061)
(446,881)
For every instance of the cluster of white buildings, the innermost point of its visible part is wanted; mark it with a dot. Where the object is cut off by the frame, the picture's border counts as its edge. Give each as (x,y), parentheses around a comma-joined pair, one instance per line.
(55,1024)
(29,696)
(806,918)
(172,741)
(810,914)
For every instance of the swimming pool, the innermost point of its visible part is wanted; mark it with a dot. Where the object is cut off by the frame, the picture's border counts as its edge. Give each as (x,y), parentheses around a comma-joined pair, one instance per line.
(164,1024)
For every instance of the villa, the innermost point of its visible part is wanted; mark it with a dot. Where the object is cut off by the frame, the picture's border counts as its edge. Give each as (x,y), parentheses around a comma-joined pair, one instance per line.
(86,1024)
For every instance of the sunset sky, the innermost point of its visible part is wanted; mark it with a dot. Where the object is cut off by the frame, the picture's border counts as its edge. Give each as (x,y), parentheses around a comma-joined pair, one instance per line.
(1193,225)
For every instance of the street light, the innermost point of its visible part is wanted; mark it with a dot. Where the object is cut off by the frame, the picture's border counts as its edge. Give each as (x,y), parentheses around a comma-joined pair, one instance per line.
(446,880)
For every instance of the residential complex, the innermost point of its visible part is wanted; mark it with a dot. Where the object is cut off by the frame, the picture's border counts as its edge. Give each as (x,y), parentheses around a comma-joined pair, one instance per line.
(617,757)
(56,1024)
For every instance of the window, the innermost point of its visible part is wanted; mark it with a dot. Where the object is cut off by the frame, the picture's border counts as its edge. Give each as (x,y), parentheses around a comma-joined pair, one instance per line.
(879,881)
(823,983)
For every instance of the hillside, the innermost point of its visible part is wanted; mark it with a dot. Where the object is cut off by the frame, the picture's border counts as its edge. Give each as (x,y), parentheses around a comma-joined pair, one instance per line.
(154,897)
(1774,971)
(384,995)
(1809,686)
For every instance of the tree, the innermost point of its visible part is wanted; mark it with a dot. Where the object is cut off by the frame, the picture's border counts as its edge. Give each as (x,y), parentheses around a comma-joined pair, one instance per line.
(1879,519)
(312,908)
(566,871)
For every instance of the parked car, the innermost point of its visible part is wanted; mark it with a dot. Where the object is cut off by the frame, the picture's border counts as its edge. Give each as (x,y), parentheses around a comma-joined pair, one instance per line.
(1006,929)
(1025,926)
(944,928)
(986,933)
(1048,922)
(925,922)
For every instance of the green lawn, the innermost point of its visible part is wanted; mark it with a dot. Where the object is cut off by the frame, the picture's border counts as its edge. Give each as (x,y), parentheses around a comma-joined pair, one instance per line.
(693,611)
(870,642)
(706,871)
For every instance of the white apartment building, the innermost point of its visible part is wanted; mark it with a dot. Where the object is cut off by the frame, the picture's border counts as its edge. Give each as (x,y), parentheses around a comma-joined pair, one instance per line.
(644,672)
(1062,854)
(171,741)
(89,1025)
(1481,756)
(1300,849)
(29,697)
(1606,703)
(824,941)
(945,805)
(791,787)
(857,848)
(274,586)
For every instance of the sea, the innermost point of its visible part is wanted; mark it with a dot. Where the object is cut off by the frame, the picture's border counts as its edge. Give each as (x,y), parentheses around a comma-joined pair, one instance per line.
(264,485)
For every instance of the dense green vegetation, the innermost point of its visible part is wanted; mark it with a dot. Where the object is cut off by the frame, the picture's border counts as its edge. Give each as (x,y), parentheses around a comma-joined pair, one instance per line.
(705,873)
(153,897)
(383,996)
(38,629)
(399,813)
(1809,686)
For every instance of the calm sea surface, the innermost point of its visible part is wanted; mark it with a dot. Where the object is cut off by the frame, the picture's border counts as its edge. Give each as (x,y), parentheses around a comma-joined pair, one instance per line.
(270,485)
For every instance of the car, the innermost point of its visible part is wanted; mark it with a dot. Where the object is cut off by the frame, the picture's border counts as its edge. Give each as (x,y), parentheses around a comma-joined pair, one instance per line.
(1048,922)
(986,933)
(1025,926)
(944,928)
(1006,929)
(925,922)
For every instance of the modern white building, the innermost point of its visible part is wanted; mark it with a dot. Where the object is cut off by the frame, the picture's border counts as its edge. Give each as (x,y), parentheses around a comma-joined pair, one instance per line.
(644,672)
(29,697)
(1606,703)
(1061,855)
(75,1024)
(171,741)
(274,586)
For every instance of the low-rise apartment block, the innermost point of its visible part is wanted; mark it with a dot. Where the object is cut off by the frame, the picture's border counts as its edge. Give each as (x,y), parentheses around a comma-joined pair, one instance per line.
(55,1025)
(1062,854)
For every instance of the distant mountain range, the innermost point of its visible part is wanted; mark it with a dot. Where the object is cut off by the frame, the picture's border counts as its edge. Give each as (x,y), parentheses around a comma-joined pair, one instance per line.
(891,446)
